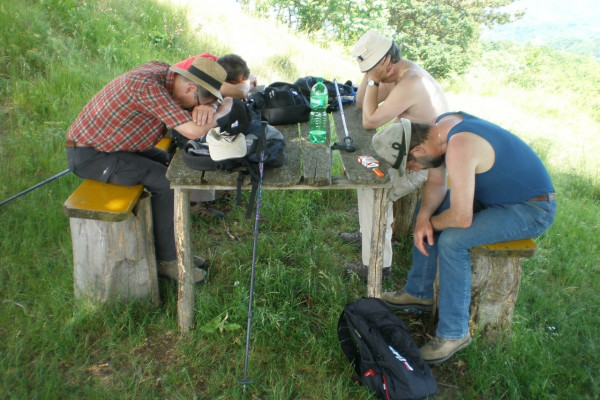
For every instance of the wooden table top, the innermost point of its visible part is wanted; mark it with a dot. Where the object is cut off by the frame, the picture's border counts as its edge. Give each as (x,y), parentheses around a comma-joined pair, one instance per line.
(308,165)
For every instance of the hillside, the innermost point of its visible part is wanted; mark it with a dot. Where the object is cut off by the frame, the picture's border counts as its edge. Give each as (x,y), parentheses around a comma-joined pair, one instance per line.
(571,26)
(270,49)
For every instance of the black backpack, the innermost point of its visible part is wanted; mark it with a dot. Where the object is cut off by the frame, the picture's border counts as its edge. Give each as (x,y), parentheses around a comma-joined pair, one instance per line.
(259,136)
(347,92)
(383,354)
(281,103)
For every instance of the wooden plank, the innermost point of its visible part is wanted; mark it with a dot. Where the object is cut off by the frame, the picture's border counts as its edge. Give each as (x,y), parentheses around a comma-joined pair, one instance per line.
(515,248)
(380,198)
(316,159)
(355,171)
(183,243)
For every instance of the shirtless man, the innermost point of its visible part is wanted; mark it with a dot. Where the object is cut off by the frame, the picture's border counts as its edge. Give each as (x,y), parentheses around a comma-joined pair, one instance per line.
(391,88)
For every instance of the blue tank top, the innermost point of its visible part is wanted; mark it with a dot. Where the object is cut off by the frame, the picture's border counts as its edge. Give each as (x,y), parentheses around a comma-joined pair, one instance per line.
(517,175)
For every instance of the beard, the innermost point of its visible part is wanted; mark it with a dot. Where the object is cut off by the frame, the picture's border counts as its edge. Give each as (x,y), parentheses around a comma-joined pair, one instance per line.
(427,161)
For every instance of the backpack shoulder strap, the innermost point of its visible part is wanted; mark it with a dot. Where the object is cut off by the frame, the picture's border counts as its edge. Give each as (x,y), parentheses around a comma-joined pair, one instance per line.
(347,344)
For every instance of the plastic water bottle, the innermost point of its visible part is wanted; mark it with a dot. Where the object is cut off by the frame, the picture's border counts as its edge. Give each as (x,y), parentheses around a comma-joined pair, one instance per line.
(317,132)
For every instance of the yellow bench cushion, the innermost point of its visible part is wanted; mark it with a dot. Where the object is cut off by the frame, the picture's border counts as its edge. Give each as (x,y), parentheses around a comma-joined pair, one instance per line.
(103,201)
(164,144)
(515,248)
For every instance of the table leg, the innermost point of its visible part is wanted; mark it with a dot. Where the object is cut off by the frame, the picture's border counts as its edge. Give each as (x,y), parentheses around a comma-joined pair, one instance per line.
(185,301)
(380,209)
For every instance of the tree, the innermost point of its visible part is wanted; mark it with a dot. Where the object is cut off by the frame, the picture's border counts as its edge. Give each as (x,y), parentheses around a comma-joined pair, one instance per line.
(441,35)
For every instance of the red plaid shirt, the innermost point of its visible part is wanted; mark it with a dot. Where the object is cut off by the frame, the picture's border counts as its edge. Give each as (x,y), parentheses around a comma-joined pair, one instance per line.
(132,112)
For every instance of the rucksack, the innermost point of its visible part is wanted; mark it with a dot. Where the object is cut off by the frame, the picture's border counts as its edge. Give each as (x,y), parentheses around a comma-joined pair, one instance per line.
(281,103)
(347,92)
(196,155)
(383,354)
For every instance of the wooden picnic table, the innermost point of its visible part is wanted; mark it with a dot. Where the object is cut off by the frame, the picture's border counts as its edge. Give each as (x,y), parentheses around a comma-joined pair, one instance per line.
(308,167)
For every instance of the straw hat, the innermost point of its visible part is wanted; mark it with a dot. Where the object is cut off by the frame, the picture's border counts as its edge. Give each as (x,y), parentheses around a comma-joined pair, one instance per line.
(202,71)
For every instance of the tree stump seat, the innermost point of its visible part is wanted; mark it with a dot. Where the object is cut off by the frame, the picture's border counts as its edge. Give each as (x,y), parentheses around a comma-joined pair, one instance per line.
(495,281)
(113,242)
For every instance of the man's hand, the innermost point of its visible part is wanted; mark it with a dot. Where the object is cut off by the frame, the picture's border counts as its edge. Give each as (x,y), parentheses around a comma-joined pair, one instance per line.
(203,114)
(423,231)
(381,71)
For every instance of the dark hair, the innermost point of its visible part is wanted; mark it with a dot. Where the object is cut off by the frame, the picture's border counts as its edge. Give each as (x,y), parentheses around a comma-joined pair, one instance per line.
(419,134)
(394,53)
(235,66)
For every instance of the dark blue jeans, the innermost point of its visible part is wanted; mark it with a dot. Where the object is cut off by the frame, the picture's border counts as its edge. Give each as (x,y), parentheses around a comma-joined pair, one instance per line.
(128,169)
(492,224)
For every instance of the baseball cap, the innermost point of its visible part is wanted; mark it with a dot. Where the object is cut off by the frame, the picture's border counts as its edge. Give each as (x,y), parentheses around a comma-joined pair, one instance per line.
(223,147)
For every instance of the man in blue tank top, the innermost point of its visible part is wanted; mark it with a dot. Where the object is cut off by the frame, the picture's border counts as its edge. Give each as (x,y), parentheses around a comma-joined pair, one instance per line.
(501,191)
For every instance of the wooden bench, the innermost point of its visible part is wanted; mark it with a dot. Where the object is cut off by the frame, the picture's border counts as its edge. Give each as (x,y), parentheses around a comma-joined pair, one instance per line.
(113,242)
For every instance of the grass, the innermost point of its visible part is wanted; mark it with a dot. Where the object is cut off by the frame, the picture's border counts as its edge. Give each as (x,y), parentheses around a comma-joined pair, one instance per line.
(54,55)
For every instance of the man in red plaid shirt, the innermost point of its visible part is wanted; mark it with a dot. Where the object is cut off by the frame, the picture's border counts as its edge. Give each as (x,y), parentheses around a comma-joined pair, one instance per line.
(112,138)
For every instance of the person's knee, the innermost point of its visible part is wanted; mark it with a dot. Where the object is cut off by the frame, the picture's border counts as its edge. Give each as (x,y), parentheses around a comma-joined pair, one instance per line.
(451,239)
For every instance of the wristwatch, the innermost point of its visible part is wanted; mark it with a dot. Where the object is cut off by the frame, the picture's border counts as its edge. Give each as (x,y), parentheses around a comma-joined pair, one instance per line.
(371,82)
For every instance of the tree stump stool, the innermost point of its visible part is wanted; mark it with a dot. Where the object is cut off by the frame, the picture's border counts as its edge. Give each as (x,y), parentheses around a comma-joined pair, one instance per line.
(495,281)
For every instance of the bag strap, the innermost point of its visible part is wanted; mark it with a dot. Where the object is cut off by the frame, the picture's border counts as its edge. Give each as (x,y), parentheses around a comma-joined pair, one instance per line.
(347,344)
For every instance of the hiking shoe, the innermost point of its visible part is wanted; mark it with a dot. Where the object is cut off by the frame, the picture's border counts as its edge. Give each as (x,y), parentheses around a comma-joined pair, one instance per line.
(362,270)
(204,210)
(400,300)
(200,262)
(168,269)
(351,237)
(438,350)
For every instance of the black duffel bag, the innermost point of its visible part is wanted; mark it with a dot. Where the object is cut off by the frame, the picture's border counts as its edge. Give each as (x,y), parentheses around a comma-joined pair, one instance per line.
(281,103)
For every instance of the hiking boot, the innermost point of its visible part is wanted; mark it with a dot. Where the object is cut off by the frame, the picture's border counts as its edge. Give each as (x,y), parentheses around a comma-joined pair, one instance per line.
(438,350)
(351,237)
(168,269)
(200,262)
(400,300)
(362,270)
(203,210)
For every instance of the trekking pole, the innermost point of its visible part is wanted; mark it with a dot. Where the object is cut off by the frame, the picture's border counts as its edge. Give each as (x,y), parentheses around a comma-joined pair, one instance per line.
(66,171)
(348,144)
(260,150)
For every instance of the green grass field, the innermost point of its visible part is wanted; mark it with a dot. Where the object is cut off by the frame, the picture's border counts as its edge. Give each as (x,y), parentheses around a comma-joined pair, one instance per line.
(55,55)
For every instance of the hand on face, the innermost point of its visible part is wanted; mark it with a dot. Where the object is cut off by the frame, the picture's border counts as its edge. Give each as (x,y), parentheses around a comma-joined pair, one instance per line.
(381,71)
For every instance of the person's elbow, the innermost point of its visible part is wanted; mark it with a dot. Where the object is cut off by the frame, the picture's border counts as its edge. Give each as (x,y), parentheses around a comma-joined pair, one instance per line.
(463,220)
(370,124)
